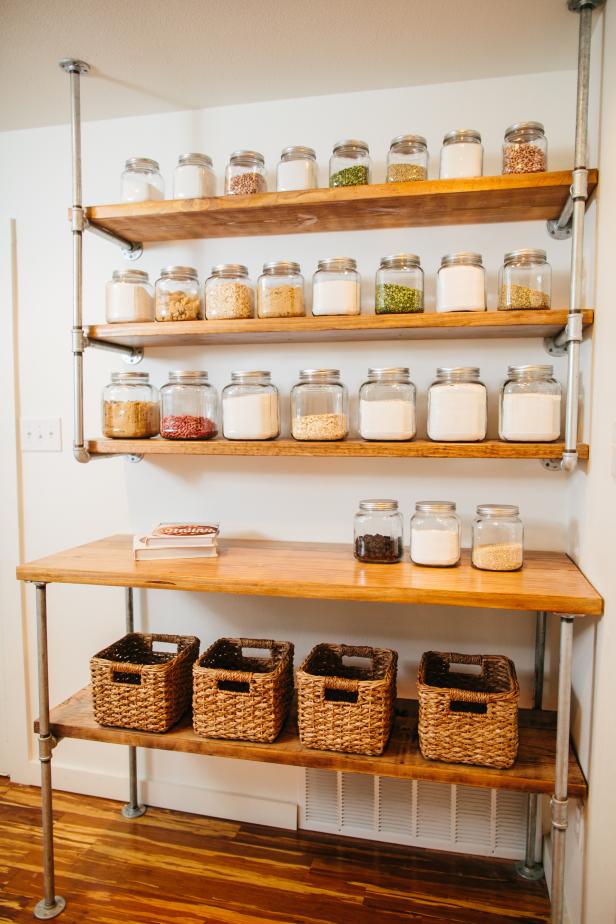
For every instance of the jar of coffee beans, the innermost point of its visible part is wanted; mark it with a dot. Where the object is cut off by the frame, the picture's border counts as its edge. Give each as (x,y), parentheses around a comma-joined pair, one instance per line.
(378,532)
(525,149)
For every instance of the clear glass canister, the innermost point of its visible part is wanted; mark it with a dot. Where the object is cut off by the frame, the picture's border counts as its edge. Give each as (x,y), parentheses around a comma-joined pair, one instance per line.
(399,285)
(498,538)
(387,405)
(297,169)
(319,406)
(336,287)
(178,294)
(349,164)
(250,408)
(130,406)
(142,180)
(407,159)
(188,407)
(461,154)
(229,293)
(457,405)
(530,403)
(524,281)
(194,177)
(245,174)
(129,296)
(525,148)
(378,530)
(435,534)
(461,282)
(280,290)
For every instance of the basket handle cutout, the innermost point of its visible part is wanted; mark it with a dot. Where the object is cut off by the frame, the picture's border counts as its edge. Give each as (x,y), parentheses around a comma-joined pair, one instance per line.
(456,667)
(234,686)
(361,661)
(331,695)
(458,705)
(165,647)
(126,677)
(252,651)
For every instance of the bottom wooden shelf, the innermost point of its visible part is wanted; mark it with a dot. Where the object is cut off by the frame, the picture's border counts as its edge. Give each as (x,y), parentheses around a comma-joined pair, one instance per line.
(532,772)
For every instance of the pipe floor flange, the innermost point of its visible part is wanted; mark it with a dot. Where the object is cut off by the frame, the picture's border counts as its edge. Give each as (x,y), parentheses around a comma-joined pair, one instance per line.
(43,913)
(134,811)
(530,872)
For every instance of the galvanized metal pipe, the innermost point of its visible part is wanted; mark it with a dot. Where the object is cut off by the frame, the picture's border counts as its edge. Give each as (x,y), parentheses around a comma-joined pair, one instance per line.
(133,809)
(132,354)
(540,629)
(560,798)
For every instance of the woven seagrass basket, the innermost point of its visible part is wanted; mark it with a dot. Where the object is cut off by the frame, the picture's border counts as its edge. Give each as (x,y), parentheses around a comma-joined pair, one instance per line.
(468,718)
(242,696)
(135,686)
(346,707)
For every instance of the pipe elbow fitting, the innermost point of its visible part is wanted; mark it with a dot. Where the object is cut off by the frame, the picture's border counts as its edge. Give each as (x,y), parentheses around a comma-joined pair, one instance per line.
(81,454)
(569,461)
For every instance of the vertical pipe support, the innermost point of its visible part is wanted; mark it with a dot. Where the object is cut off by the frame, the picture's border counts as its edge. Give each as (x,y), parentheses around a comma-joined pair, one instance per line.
(560,800)
(133,809)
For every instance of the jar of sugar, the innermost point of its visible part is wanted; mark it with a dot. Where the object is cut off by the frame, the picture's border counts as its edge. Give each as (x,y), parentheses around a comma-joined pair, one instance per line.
(250,407)
(387,405)
(194,177)
(336,287)
(435,534)
(297,169)
(457,405)
(529,407)
(461,154)
(129,296)
(142,180)
(461,282)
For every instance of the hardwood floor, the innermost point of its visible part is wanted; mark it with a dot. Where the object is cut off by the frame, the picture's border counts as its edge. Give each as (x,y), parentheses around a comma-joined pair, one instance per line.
(175,867)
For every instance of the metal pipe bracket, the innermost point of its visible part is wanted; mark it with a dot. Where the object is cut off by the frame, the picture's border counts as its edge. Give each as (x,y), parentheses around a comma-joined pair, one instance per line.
(78,219)
(560,813)
(79,341)
(46,745)
(573,332)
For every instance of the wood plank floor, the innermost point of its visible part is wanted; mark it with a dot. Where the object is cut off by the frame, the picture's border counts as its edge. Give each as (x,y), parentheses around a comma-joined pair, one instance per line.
(175,867)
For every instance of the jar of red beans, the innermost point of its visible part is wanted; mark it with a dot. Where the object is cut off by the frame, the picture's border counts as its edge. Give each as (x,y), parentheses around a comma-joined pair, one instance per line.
(188,407)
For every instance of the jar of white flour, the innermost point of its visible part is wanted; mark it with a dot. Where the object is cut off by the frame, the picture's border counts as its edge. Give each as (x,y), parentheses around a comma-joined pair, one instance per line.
(461,282)
(250,407)
(387,405)
(435,534)
(457,405)
(530,402)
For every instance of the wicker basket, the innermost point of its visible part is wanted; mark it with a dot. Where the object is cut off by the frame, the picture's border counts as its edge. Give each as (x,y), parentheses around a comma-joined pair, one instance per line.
(343,707)
(134,686)
(239,696)
(468,718)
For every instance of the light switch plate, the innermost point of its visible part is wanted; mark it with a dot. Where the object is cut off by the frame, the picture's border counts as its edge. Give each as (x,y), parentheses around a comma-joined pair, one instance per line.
(41,434)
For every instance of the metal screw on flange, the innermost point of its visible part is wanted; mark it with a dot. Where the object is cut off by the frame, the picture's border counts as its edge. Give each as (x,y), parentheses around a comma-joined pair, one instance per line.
(74,66)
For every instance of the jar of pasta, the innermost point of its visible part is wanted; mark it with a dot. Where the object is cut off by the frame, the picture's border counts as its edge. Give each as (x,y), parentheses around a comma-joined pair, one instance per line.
(178,295)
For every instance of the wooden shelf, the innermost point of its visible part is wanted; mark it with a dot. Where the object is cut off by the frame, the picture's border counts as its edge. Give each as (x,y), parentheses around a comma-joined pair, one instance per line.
(532,772)
(522,197)
(313,570)
(431,326)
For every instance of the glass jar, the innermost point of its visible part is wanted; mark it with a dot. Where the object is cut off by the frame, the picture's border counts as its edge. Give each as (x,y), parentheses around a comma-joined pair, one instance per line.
(280,290)
(435,534)
(529,407)
(378,530)
(188,407)
(245,174)
(399,285)
(142,180)
(194,177)
(319,406)
(407,159)
(461,282)
(461,154)
(349,164)
(498,538)
(525,148)
(129,296)
(229,293)
(130,407)
(178,295)
(524,281)
(336,287)
(250,408)
(297,169)
(457,406)
(387,405)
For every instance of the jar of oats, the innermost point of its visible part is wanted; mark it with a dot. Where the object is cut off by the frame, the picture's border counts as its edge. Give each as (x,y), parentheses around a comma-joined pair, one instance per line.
(229,293)
(130,406)
(319,406)
(498,538)
(280,290)
(178,295)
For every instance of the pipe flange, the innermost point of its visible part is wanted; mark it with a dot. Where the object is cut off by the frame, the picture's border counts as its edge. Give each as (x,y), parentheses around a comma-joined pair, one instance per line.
(74,66)
(557,231)
(133,811)
(576,6)
(533,872)
(133,252)
(134,457)
(134,357)
(551,465)
(43,912)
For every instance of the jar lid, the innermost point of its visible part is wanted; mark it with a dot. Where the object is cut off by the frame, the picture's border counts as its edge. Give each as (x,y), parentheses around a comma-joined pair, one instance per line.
(408,141)
(497,510)
(130,378)
(378,505)
(230,269)
(339,264)
(130,275)
(462,258)
(526,255)
(521,131)
(351,146)
(281,268)
(539,371)
(247,377)
(188,376)
(457,373)
(297,150)
(197,160)
(382,373)
(247,159)
(142,163)
(177,272)
(435,507)
(319,375)
(400,261)
(459,135)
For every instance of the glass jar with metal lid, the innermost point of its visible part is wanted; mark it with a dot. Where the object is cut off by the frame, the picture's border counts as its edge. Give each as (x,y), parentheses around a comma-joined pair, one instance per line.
(319,406)
(387,405)
(250,408)
(130,407)
(461,282)
(399,285)
(378,532)
(530,405)
(245,174)
(350,164)
(188,407)
(297,169)
(229,293)
(498,538)
(336,287)
(525,148)
(194,177)
(407,159)
(178,294)
(524,281)
(280,290)
(142,180)
(435,534)
(461,154)
(129,296)
(457,405)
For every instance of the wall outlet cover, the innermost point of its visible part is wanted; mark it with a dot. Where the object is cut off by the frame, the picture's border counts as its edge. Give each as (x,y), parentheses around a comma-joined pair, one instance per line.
(41,434)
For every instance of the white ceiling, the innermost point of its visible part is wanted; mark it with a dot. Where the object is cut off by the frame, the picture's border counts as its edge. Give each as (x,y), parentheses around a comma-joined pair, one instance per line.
(162,55)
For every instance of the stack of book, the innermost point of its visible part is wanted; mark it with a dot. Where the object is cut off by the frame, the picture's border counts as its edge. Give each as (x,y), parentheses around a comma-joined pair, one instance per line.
(177,540)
